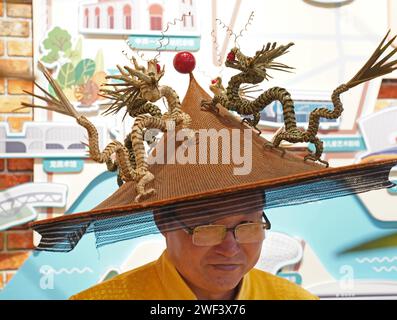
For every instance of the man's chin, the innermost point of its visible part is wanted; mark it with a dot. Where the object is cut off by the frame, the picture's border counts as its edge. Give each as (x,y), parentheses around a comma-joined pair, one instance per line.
(226,275)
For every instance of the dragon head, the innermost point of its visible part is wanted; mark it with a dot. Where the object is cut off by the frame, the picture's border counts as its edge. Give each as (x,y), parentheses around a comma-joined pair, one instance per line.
(256,67)
(148,79)
(216,86)
(154,71)
(139,84)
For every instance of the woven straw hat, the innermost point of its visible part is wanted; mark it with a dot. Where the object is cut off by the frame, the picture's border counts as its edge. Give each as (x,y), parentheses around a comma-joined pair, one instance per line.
(282,179)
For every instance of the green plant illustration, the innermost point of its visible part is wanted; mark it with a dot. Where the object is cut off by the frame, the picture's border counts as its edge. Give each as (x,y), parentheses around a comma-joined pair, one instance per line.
(66,76)
(58,41)
(84,71)
(99,61)
(75,55)
(383,242)
(79,77)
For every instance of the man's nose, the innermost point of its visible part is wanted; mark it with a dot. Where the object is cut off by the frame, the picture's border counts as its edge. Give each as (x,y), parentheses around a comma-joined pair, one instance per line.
(229,247)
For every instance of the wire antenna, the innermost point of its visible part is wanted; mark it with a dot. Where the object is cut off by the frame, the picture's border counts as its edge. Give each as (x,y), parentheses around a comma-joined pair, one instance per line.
(164,31)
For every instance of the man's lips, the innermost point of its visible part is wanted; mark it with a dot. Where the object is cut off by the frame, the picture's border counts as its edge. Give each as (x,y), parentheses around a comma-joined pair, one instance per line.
(226,266)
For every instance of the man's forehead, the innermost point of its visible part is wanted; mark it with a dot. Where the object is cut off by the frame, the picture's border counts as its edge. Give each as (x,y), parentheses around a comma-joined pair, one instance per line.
(222,217)
(235,204)
(248,206)
(230,219)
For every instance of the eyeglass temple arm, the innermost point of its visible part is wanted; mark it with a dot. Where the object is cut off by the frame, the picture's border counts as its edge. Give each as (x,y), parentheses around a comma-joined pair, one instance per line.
(268,224)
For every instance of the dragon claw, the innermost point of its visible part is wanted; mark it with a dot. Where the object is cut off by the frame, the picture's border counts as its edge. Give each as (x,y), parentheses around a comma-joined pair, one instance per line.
(314,158)
(252,125)
(207,105)
(144,178)
(324,162)
(270,145)
(120,181)
(258,130)
(145,194)
(246,120)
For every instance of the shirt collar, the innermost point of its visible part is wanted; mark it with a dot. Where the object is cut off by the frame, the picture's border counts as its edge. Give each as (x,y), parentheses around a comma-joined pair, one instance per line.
(245,288)
(172,282)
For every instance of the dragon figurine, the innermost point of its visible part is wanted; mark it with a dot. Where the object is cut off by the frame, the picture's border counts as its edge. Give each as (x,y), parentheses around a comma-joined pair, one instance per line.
(140,88)
(253,70)
(134,96)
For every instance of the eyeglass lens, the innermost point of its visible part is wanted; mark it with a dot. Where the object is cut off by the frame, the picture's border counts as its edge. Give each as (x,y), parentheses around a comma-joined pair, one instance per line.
(214,234)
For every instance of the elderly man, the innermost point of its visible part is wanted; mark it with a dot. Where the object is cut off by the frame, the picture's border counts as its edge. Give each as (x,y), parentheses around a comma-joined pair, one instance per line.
(204,259)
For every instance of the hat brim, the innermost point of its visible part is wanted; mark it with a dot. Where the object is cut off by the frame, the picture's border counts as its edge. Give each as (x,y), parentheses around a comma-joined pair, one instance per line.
(112,224)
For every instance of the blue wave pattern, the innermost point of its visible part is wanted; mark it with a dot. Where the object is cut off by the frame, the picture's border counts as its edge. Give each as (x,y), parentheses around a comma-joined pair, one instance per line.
(331,226)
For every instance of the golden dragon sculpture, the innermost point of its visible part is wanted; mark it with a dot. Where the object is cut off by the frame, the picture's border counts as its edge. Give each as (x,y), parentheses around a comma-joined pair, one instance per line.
(136,89)
(253,70)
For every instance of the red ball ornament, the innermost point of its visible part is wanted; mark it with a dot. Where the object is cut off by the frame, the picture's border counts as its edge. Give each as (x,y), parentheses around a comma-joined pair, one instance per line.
(158,68)
(184,62)
(231,56)
(214,81)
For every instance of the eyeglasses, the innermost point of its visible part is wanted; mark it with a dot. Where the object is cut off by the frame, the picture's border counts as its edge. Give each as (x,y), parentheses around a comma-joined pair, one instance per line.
(212,234)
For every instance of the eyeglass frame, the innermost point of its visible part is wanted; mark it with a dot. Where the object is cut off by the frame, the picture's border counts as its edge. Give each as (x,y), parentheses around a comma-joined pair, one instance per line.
(267,225)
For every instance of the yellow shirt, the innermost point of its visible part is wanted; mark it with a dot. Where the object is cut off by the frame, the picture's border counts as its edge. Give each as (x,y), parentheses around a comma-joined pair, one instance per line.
(159,280)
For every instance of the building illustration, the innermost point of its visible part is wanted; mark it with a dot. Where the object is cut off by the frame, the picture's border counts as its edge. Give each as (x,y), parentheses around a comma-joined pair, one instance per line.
(126,16)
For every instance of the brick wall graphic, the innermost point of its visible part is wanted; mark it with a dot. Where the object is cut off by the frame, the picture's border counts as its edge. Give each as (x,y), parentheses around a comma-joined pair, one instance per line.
(15,61)
(15,75)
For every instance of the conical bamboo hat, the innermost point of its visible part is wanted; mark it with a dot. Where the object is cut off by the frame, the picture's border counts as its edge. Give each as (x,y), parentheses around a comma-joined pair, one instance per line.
(283,179)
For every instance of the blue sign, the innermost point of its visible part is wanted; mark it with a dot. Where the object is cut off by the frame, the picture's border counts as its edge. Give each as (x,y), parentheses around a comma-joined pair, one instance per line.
(166,43)
(63,165)
(303,108)
(291,276)
(342,144)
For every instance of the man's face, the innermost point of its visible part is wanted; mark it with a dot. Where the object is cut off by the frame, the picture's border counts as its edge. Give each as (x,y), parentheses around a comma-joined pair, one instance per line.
(214,269)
